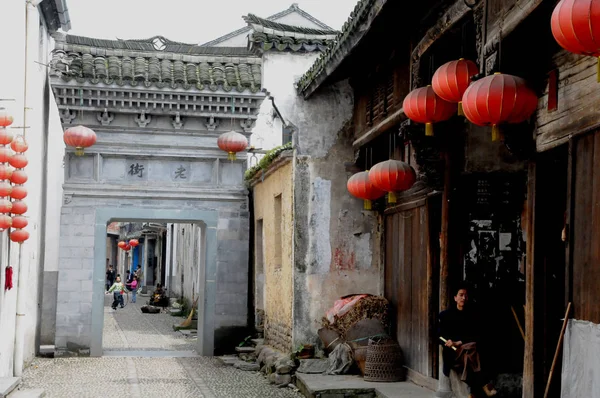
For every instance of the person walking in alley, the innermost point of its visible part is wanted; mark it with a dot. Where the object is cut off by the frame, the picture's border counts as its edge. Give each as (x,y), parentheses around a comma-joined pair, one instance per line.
(459,332)
(140,276)
(133,286)
(110,277)
(118,290)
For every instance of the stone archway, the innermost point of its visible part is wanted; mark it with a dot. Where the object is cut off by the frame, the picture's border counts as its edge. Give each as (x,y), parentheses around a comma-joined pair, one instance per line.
(207,292)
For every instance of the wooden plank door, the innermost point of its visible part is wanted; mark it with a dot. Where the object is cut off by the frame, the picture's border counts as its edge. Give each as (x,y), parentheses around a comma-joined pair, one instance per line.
(408,287)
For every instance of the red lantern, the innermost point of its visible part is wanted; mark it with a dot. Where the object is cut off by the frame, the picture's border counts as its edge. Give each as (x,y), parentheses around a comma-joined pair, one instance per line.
(122,244)
(361,187)
(498,99)
(134,242)
(19,145)
(19,207)
(424,106)
(5,222)
(5,206)
(127,248)
(19,222)
(18,161)
(5,154)
(232,142)
(18,192)
(19,235)
(576,27)
(5,172)
(18,177)
(79,137)
(6,136)
(392,176)
(452,79)
(5,119)
(5,189)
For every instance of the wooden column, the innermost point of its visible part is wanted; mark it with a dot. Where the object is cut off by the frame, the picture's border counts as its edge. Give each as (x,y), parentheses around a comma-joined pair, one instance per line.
(528,364)
(444,388)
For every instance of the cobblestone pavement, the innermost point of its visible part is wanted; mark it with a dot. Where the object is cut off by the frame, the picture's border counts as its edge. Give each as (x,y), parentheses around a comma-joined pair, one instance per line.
(201,377)
(145,375)
(130,329)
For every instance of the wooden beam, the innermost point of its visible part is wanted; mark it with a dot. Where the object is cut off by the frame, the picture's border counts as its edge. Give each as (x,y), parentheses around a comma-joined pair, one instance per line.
(381,128)
(529,359)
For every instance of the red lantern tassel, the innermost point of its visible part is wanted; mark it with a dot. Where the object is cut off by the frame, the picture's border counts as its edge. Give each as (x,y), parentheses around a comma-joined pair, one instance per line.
(391,197)
(8,274)
(367,204)
(231,156)
(460,109)
(495,132)
(429,129)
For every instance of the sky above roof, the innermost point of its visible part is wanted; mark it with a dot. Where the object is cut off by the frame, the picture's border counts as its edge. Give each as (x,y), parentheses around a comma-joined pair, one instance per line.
(188,21)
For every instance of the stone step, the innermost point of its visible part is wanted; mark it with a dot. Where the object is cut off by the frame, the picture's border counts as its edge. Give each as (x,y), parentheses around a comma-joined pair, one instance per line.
(245,350)
(7,385)
(258,341)
(28,393)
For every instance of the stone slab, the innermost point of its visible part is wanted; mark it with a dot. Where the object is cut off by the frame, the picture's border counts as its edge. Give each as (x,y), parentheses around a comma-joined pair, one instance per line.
(313,366)
(33,393)
(7,385)
(228,360)
(312,385)
(258,341)
(151,354)
(245,350)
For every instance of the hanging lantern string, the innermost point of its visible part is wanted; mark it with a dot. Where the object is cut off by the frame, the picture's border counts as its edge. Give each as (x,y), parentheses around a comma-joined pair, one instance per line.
(371,150)
(81,103)
(463,40)
(390,145)
(366,158)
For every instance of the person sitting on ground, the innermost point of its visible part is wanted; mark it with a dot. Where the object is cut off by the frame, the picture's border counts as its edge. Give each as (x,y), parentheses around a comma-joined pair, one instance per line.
(118,289)
(459,326)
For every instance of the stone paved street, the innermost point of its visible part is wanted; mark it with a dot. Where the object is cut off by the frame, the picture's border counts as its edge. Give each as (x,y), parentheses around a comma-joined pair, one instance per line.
(145,374)
(130,329)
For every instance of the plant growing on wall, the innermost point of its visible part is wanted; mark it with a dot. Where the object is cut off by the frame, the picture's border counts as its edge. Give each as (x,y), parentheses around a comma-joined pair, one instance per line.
(266,161)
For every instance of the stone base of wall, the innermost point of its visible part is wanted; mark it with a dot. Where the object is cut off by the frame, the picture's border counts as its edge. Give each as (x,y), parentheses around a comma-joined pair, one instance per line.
(48,321)
(278,335)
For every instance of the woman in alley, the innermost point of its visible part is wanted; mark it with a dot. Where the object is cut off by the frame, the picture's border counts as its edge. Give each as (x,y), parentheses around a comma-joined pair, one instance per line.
(118,290)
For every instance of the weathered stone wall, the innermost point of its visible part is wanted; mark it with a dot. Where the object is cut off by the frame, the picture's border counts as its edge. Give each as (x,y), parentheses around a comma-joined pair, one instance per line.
(267,133)
(277,240)
(337,244)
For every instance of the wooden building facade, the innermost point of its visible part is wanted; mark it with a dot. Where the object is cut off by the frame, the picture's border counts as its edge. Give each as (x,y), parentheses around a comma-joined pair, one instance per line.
(515,218)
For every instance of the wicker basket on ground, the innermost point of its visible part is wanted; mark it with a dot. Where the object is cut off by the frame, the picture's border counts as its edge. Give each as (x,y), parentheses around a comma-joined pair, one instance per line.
(384,361)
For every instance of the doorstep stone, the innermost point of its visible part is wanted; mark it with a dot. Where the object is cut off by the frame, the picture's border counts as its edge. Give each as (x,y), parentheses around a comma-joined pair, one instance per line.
(33,393)
(245,350)
(7,385)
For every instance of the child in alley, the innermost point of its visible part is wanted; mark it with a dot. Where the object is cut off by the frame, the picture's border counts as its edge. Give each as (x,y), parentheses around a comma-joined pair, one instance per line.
(118,289)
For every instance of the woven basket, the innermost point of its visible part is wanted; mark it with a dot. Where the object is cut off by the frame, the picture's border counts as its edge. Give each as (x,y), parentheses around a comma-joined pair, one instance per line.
(384,361)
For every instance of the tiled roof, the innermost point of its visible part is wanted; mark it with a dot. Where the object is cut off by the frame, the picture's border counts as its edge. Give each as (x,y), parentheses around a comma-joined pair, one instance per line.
(140,62)
(293,8)
(337,50)
(268,35)
(56,15)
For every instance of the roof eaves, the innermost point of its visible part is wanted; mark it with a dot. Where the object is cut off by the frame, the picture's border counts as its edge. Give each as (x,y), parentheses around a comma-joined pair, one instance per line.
(346,42)
(279,29)
(56,15)
(293,8)
(63,14)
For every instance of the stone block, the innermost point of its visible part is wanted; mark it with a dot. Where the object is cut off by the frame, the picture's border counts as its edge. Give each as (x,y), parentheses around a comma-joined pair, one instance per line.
(314,366)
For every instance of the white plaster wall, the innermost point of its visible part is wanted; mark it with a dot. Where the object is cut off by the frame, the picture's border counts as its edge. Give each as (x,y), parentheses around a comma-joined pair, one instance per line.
(280,72)
(28,255)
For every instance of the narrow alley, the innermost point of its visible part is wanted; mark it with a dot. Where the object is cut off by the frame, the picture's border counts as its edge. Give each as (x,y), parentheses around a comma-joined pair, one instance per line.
(145,357)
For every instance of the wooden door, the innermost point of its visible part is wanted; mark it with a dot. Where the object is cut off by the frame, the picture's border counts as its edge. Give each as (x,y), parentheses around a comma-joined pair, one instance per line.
(409,287)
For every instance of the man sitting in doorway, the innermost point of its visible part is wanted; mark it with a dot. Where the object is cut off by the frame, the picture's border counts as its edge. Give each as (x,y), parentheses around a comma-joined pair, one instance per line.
(459,327)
